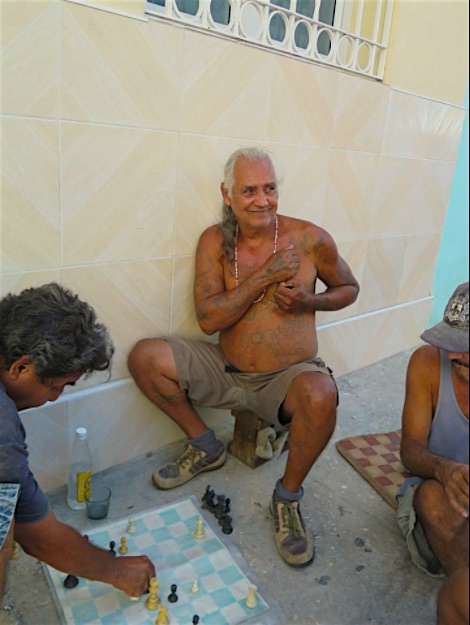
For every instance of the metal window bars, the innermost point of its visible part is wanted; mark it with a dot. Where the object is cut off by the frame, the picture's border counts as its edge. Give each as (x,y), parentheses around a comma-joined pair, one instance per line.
(351,35)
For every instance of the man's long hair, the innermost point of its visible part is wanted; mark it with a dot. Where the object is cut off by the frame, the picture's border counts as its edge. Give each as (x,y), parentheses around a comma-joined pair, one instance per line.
(57,330)
(229,222)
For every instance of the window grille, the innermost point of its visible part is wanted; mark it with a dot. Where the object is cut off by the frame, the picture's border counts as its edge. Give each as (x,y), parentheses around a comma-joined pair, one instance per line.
(349,34)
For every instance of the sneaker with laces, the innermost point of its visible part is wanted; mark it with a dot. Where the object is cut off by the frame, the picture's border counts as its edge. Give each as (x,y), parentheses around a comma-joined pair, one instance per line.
(293,540)
(192,462)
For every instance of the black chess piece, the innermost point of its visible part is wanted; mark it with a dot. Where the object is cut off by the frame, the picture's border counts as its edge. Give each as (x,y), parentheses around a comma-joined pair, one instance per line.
(227,526)
(227,506)
(224,519)
(205,497)
(70,581)
(173,597)
(195,619)
(219,508)
(112,551)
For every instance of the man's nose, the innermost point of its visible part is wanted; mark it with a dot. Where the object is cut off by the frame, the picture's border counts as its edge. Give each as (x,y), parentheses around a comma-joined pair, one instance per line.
(261,198)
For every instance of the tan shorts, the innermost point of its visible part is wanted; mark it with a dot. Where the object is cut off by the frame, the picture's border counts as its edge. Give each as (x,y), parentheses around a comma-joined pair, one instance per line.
(416,541)
(209,380)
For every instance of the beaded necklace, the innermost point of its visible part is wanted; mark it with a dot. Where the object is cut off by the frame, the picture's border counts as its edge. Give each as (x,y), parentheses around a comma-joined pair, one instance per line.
(276,235)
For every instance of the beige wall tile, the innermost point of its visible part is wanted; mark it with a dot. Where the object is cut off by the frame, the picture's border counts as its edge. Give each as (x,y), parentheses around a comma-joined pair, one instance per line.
(29,194)
(382,274)
(118,193)
(47,437)
(350,194)
(389,332)
(183,316)
(302,172)
(17,282)
(361,114)
(421,128)
(412,197)
(302,103)
(419,263)
(337,347)
(118,70)
(131,299)
(225,88)
(29,59)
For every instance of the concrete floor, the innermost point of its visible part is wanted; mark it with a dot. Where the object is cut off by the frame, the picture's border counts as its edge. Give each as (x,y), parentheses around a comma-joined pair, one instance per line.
(362,574)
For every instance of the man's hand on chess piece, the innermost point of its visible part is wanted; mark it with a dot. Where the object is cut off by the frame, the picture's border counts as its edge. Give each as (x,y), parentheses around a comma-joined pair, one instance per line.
(131,574)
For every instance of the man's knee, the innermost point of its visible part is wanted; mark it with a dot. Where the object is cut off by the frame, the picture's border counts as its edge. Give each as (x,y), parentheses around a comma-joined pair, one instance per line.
(431,503)
(147,354)
(315,394)
(453,603)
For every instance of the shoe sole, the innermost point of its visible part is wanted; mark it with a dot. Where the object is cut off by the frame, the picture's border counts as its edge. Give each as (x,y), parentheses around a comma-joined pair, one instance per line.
(294,565)
(175,482)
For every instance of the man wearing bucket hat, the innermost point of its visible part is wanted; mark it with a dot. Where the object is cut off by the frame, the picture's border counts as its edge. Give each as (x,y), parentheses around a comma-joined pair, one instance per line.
(433,506)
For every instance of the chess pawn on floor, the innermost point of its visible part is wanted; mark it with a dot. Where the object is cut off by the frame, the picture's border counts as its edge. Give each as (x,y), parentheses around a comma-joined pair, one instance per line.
(131,526)
(153,602)
(199,533)
(162,617)
(194,587)
(123,549)
(15,551)
(252,598)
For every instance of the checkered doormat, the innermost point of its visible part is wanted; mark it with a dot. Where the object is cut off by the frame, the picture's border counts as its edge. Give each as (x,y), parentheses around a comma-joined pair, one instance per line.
(377,458)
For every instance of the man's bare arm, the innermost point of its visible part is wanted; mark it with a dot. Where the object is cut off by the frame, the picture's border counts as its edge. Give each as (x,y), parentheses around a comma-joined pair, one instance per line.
(418,411)
(62,547)
(342,287)
(218,309)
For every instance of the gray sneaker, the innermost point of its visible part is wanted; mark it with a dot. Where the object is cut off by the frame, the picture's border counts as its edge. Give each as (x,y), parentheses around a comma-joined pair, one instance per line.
(293,540)
(191,463)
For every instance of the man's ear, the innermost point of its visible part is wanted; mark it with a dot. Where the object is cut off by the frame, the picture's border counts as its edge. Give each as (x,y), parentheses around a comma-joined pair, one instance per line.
(20,366)
(225,195)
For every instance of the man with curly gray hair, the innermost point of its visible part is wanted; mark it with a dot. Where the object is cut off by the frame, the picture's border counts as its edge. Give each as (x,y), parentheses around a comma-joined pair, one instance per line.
(49,339)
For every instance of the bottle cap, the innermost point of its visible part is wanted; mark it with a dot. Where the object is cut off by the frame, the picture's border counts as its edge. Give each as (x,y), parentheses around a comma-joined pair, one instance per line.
(81,432)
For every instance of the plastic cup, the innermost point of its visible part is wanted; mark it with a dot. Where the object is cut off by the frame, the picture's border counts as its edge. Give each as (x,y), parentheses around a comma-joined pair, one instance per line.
(97,502)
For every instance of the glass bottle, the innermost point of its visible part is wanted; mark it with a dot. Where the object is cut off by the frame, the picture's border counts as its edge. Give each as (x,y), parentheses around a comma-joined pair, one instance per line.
(80,471)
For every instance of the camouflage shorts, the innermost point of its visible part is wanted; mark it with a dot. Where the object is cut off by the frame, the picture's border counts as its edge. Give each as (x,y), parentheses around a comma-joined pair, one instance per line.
(8,498)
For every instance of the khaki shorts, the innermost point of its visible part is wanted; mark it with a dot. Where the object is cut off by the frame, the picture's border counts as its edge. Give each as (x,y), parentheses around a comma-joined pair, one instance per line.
(417,543)
(209,380)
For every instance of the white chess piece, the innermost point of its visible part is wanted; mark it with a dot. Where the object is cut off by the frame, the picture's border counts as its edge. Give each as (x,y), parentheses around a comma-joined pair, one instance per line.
(199,533)
(194,587)
(252,598)
(131,526)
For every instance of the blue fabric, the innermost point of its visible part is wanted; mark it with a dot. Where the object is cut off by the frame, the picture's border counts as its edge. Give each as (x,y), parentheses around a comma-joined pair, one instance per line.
(450,427)
(8,498)
(32,504)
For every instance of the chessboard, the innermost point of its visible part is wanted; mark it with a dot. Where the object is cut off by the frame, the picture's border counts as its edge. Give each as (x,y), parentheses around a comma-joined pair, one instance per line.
(377,458)
(166,536)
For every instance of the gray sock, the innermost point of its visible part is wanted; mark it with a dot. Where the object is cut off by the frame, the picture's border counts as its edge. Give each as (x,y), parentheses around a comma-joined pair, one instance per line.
(285,495)
(207,442)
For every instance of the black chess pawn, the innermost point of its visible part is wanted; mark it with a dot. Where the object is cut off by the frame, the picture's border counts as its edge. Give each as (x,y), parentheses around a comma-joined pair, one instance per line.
(224,519)
(205,497)
(173,597)
(227,506)
(70,581)
(219,508)
(195,619)
(112,551)
(210,500)
(227,526)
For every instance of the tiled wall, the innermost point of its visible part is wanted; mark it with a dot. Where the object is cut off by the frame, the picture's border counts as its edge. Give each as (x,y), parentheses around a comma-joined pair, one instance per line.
(114,135)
